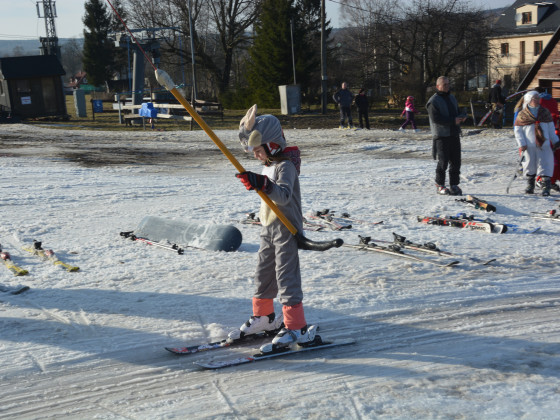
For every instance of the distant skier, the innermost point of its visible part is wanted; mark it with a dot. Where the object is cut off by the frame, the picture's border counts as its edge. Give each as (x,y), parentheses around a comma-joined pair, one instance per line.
(548,102)
(362,104)
(409,111)
(536,138)
(344,99)
(497,100)
(278,270)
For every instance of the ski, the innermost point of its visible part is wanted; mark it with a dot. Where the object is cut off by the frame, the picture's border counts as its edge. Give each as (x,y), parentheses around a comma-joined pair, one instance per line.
(173,247)
(463,221)
(307,225)
(549,215)
(395,250)
(14,290)
(345,218)
(431,248)
(47,255)
(7,260)
(326,217)
(216,345)
(477,203)
(484,118)
(318,344)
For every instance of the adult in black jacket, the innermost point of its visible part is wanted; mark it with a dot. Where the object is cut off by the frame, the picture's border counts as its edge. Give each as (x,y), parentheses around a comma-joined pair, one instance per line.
(444,122)
(497,100)
(362,103)
(343,99)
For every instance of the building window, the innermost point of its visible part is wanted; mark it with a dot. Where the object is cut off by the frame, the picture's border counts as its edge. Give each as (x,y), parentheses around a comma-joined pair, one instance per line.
(504,49)
(538,47)
(522,52)
(526,18)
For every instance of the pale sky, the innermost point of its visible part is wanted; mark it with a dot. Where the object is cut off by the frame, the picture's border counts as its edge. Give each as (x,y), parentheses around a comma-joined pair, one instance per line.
(18,19)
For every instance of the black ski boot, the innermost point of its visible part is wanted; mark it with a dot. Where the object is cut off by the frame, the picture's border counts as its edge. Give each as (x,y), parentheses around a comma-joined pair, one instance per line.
(547,186)
(455,190)
(530,184)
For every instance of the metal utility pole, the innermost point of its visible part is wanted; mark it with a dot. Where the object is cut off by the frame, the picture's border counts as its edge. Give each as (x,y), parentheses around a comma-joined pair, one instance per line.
(192,54)
(323,61)
(49,44)
(293,56)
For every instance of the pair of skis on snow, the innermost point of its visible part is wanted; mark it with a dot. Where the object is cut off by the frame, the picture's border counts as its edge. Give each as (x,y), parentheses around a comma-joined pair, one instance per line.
(549,215)
(253,219)
(37,250)
(16,270)
(320,220)
(466,222)
(400,247)
(332,221)
(257,355)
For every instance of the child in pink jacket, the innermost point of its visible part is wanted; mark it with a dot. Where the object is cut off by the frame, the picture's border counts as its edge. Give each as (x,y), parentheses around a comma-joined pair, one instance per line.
(409,110)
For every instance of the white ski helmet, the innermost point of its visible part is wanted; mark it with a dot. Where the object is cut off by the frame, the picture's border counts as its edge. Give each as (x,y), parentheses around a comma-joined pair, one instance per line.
(264,130)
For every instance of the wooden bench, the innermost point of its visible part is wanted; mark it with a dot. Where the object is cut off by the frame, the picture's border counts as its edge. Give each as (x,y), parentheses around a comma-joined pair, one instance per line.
(209,108)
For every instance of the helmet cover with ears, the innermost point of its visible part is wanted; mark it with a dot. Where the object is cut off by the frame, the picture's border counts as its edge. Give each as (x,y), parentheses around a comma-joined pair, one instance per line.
(264,130)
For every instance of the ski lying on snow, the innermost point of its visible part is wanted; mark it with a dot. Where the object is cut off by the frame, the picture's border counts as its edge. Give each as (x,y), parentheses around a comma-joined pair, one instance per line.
(396,250)
(7,260)
(429,248)
(183,351)
(340,222)
(549,215)
(281,352)
(13,290)
(48,255)
(477,203)
(252,219)
(325,218)
(463,221)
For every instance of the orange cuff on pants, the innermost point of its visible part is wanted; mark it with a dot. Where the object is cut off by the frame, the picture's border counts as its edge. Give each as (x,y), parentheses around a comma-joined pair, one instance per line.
(294,319)
(262,307)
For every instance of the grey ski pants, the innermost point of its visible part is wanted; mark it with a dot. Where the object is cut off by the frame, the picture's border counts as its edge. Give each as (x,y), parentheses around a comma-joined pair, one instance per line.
(278,271)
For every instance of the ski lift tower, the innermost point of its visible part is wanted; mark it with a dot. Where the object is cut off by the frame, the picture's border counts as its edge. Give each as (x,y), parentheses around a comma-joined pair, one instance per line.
(49,43)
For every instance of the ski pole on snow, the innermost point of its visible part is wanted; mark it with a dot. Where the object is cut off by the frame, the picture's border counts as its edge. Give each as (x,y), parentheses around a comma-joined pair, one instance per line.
(165,80)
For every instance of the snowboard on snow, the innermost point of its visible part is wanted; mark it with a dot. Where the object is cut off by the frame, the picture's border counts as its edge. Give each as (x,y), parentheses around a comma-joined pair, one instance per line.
(192,234)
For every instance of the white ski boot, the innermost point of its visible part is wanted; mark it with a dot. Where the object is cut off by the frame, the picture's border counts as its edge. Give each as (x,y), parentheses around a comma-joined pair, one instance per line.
(286,337)
(257,324)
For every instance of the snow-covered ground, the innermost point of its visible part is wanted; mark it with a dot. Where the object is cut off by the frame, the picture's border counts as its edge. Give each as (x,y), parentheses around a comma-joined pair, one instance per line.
(472,342)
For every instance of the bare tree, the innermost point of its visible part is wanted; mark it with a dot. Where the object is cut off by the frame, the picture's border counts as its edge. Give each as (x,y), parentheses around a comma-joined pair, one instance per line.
(407,46)
(219,29)
(72,56)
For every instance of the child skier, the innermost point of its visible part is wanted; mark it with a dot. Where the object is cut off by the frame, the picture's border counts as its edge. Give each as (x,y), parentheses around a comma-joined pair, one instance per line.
(278,269)
(536,139)
(409,110)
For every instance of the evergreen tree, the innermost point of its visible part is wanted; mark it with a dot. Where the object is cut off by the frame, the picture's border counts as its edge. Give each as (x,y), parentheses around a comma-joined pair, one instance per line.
(98,48)
(271,58)
(271,62)
(120,55)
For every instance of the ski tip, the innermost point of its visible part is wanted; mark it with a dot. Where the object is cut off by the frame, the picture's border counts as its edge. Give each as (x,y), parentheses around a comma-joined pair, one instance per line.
(179,350)
(20,290)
